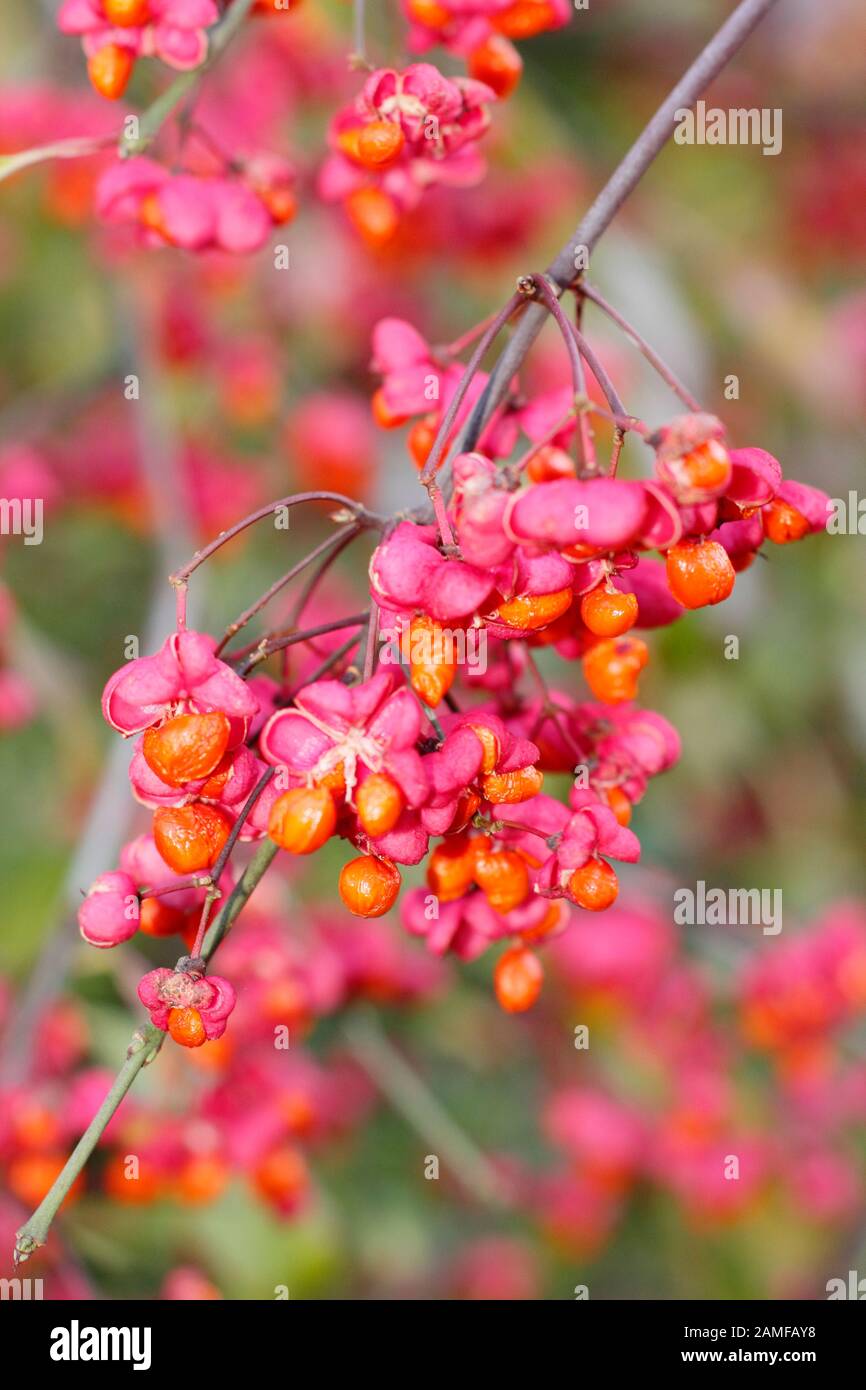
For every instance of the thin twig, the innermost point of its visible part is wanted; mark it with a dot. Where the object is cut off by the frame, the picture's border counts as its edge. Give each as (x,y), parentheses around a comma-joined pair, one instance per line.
(371,648)
(410,1096)
(153,119)
(628,173)
(345,534)
(225,854)
(143,1048)
(77,147)
(487,338)
(658,363)
(356,509)
(277,644)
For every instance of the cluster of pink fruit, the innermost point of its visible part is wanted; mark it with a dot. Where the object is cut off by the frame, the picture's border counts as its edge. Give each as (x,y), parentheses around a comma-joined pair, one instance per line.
(388,758)
(404,132)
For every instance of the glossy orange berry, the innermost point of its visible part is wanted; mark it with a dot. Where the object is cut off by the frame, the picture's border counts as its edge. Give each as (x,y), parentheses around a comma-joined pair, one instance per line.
(334,781)
(490,743)
(525,18)
(594,887)
(466,808)
(580,551)
(497,63)
(532,611)
(187,747)
(186,1027)
(110,69)
(282,1177)
(190,838)
(379,803)
(218,780)
(30,1177)
(511,787)
(607,612)
(202,1179)
(451,866)
(550,463)
(373,215)
(369,886)
(503,878)
(156,917)
(126,13)
(302,819)
(432,683)
(422,437)
(699,573)
(706,468)
(619,804)
(612,666)
(517,980)
(432,667)
(379,143)
(347,141)
(783,523)
(385,417)
(429,12)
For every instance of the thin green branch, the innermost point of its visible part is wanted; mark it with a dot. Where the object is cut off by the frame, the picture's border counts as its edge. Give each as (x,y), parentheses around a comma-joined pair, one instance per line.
(153,119)
(143,1048)
(413,1099)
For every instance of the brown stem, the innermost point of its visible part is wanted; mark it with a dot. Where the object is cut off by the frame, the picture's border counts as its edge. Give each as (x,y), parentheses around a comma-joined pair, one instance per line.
(545,291)
(371,648)
(277,644)
(337,539)
(225,854)
(628,173)
(577,345)
(516,468)
(492,332)
(360,513)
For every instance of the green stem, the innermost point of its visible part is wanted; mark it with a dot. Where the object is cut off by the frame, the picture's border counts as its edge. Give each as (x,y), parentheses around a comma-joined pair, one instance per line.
(77,147)
(154,118)
(143,1048)
(409,1095)
(238,897)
